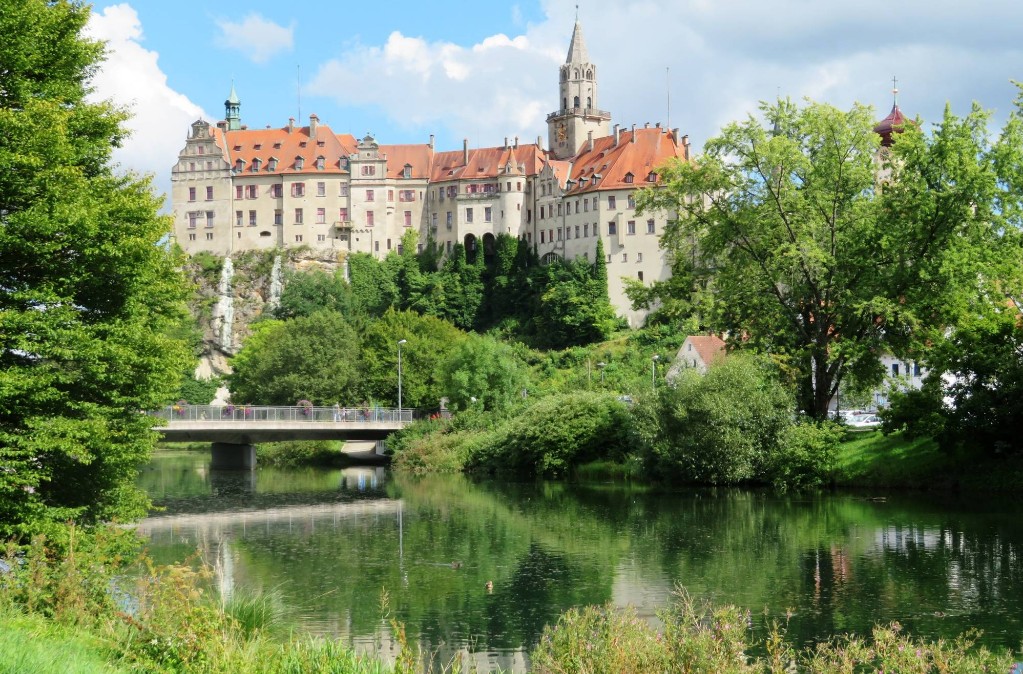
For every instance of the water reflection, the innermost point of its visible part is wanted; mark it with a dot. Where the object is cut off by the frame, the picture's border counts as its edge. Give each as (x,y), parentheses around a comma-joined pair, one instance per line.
(334,540)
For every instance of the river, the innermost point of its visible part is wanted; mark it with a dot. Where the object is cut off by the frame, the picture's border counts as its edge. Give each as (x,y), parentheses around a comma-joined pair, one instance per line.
(332,542)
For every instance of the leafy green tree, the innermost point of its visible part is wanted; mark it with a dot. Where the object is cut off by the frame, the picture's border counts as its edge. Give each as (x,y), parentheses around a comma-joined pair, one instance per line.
(718,428)
(574,307)
(482,372)
(313,358)
(88,297)
(824,250)
(374,286)
(308,292)
(428,341)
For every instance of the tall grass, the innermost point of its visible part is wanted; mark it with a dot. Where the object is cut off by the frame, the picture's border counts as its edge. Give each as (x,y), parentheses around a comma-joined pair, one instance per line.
(259,611)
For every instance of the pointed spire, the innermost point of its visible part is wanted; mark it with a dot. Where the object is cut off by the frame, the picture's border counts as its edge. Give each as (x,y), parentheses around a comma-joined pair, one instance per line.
(233,97)
(233,110)
(577,49)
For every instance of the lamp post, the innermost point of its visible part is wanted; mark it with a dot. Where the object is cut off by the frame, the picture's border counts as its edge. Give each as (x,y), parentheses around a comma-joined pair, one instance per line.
(653,372)
(600,366)
(400,342)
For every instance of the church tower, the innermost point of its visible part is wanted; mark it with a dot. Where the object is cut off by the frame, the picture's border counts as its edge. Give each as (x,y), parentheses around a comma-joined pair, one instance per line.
(578,115)
(233,111)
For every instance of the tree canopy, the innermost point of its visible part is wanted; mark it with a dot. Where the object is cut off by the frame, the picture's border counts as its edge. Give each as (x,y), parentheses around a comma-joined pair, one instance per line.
(87,296)
(824,249)
(316,358)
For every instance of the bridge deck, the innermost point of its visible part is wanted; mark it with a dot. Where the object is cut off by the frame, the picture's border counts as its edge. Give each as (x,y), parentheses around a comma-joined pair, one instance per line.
(248,424)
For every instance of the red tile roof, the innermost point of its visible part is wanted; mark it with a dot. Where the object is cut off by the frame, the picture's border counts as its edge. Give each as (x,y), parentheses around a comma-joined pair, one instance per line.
(710,348)
(285,146)
(612,163)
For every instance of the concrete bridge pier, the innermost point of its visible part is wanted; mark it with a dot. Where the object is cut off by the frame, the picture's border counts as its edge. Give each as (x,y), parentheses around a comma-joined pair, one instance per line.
(233,456)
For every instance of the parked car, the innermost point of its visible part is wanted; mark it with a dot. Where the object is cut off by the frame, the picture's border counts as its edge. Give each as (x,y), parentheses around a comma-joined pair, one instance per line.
(863,421)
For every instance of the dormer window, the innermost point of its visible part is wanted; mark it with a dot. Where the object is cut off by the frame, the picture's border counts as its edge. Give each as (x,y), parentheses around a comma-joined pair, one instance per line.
(344,162)
(239,165)
(628,178)
(319,163)
(651,177)
(299,163)
(303,143)
(321,143)
(255,165)
(257,146)
(407,172)
(271,164)
(277,145)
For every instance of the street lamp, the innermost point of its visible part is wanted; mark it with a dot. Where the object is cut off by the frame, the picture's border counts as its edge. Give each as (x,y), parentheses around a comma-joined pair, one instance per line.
(400,342)
(600,366)
(653,372)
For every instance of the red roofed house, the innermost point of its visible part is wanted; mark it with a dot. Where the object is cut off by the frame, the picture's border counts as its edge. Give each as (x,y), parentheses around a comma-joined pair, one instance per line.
(699,352)
(236,189)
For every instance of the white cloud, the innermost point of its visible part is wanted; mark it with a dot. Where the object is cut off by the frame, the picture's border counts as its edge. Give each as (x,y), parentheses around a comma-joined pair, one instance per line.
(465,89)
(257,38)
(131,77)
(713,61)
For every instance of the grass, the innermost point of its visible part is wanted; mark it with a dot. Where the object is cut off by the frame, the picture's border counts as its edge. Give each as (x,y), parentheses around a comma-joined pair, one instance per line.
(610,471)
(31,644)
(871,459)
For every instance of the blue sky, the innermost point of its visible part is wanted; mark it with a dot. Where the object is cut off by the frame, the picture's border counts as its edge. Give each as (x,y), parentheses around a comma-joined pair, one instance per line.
(485,71)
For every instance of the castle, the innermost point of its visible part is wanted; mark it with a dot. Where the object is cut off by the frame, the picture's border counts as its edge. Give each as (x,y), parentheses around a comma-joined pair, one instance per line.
(236,189)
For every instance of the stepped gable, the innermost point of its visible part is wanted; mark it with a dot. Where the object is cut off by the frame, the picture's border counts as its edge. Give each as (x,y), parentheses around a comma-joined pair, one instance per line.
(638,152)
(418,157)
(286,146)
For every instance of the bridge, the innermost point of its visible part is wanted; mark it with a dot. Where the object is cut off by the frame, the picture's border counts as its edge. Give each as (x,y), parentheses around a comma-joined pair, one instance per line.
(233,430)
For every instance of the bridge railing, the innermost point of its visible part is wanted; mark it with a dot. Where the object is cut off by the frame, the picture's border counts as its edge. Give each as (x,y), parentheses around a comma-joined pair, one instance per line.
(249,413)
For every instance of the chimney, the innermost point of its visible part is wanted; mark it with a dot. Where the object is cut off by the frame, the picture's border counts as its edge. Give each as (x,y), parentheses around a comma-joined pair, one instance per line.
(222,125)
(617,132)
(506,142)
(431,141)
(658,125)
(589,139)
(291,124)
(313,123)
(539,142)
(646,125)
(465,151)
(685,144)
(633,139)
(516,146)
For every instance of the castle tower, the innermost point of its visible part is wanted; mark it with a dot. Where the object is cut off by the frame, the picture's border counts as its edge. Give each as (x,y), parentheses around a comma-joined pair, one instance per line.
(233,111)
(578,115)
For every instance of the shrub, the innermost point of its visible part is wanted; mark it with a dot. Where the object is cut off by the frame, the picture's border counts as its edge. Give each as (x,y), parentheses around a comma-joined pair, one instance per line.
(599,640)
(805,455)
(300,453)
(717,428)
(557,433)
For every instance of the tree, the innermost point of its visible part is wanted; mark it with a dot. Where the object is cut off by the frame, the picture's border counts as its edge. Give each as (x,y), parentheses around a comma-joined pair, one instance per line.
(482,372)
(313,358)
(574,307)
(308,292)
(825,250)
(718,428)
(88,297)
(428,341)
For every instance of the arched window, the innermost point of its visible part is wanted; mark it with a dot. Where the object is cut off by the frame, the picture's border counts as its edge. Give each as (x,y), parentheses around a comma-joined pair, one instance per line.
(589,74)
(589,102)
(575,102)
(564,103)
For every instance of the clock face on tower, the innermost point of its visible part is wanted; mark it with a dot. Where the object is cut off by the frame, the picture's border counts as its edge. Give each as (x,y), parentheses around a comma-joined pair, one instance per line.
(562,133)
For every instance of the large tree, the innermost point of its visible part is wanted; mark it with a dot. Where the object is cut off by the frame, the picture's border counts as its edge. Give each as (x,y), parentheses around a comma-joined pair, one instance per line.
(825,249)
(316,358)
(86,292)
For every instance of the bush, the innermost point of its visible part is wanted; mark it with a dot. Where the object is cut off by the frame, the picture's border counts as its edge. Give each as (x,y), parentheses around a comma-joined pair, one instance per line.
(599,640)
(300,453)
(805,455)
(557,433)
(718,428)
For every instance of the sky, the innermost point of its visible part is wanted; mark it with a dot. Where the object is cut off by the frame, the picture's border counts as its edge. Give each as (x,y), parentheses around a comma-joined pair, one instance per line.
(406,70)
